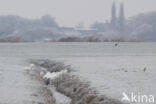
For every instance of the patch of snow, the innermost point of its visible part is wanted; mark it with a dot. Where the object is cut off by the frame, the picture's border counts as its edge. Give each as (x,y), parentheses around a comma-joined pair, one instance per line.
(53,75)
(60,98)
(114,75)
(64,99)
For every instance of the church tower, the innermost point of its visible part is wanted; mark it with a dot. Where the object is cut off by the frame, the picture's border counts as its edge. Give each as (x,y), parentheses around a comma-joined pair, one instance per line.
(113,16)
(121,17)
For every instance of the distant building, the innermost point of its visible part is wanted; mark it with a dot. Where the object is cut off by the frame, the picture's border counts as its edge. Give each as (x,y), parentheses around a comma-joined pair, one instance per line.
(69,31)
(121,19)
(117,22)
(113,16)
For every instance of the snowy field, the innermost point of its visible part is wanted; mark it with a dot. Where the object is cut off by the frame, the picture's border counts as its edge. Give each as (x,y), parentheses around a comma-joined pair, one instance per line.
(114,75)
(129,67)
(16,87)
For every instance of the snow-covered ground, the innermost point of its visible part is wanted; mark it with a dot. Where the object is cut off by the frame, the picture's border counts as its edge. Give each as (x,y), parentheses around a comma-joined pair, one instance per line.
(16,87)
(114,75)
(111,70)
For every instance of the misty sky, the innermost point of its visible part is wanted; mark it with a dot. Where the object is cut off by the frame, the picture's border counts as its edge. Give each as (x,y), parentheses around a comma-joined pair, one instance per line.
(72,12)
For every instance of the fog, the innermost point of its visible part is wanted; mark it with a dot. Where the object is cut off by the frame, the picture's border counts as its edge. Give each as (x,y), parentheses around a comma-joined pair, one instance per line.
(72,12)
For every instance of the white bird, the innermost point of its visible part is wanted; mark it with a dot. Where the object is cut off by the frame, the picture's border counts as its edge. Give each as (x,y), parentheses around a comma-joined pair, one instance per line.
(30,67)
(42,73)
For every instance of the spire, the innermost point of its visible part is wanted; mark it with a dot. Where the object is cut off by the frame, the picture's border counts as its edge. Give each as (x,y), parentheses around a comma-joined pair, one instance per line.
(121,17)
(113,18)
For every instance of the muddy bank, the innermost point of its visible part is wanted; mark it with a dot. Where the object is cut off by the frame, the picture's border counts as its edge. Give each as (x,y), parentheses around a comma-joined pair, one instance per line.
(70,85)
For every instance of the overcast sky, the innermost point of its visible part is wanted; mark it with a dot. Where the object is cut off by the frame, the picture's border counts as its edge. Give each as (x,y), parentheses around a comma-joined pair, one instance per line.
(72,12)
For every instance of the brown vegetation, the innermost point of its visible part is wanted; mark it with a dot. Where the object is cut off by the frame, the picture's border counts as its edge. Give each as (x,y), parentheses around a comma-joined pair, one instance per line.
(10,39)
(94,39)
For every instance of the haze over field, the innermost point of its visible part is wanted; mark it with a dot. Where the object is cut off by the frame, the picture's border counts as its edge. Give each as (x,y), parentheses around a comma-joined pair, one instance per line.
(78,21)
(77,51)
(71,12)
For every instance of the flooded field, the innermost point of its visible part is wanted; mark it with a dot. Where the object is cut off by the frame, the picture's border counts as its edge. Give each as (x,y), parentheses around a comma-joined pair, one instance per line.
(129,67)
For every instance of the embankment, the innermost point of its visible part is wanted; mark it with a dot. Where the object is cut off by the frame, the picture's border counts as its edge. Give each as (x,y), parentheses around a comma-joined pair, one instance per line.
(70,85)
